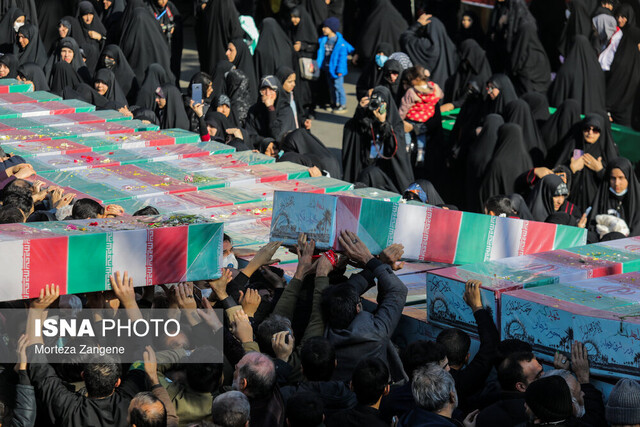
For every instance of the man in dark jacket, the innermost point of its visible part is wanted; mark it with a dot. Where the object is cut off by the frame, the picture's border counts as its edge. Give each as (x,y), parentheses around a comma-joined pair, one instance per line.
(370,382)
(318,363)
(356,333)
(435,393)
(515,374)
(470,379)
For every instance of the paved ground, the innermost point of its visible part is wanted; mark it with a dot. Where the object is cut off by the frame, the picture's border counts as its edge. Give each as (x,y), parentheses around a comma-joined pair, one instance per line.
(327,126)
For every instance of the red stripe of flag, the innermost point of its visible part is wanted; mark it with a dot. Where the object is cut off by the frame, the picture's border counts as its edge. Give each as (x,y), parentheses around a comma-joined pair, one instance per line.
(47,265)
(441,230)
(169,254)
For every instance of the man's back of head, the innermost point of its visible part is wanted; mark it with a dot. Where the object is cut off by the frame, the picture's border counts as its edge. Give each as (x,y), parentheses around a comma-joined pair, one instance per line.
(318,359)
(101,376)
(255,376)
(305,409)
(420,353)
(231,409)
(434,390)
(370,381)
(340,305)
(456,344)
(146,410)
(268,328)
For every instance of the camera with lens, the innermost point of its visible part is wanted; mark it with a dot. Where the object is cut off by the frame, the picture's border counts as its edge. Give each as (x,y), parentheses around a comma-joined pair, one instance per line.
(374,103)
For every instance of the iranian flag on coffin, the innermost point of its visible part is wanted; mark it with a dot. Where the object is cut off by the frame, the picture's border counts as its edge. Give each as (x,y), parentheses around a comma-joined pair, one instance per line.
(427,233)
(79,256)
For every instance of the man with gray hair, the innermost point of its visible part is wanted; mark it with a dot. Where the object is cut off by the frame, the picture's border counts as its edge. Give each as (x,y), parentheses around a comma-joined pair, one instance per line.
(434,391)
(231,409)
(588,405)
(255,377)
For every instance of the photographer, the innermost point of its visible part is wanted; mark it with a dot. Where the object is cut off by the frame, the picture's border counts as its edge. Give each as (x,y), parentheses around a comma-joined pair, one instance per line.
(374,150)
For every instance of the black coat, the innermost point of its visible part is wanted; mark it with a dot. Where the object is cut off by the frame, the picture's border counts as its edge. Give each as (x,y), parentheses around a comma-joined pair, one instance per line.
(73,409)
(361,415)
(509,411)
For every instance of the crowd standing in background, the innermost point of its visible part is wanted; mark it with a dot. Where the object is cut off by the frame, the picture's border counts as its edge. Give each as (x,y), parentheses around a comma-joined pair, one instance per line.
(306,353)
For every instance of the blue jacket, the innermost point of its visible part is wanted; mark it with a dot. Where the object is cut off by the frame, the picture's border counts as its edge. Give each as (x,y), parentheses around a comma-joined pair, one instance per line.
(338,59)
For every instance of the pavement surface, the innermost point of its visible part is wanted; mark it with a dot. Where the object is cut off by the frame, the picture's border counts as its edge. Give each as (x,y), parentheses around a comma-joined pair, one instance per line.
(327,126)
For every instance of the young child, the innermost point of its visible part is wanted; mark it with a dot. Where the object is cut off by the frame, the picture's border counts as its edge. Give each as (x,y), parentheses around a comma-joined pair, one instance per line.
(419,104)
(332,60)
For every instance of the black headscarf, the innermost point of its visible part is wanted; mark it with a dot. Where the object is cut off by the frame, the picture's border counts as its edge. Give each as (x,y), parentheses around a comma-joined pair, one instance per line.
(579,24)
(173,114)
(473,66)
(431,47)
(528,63)
(550,17)
(261,123)
(237,86)
(77,62)
(580,78)
(558,128)
(474,32)
(156,76)
(510,160)
(90,46)
(301,141)
(627,206)
(34,73)
(305,32)
(372,73)
(396,89)
(539,107)
(244,62)
(221,24)
(218,121)
(540,200)
(506,95)
(140,113)
(63,76)
(518,112)
(274,49)
(517,14)
(111,18)
(28,6)
(11,61)
(74,31)
(585,182)
(35,51)
(218,77)
(124,73)
(478,157)
(624,76)
(115,92)
(357,141)
(50,13)
(143,43)
(379,22)
(282,75)
(7,33)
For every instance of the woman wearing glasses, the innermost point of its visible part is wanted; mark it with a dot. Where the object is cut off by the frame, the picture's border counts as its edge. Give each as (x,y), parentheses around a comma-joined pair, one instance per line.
(587,151)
